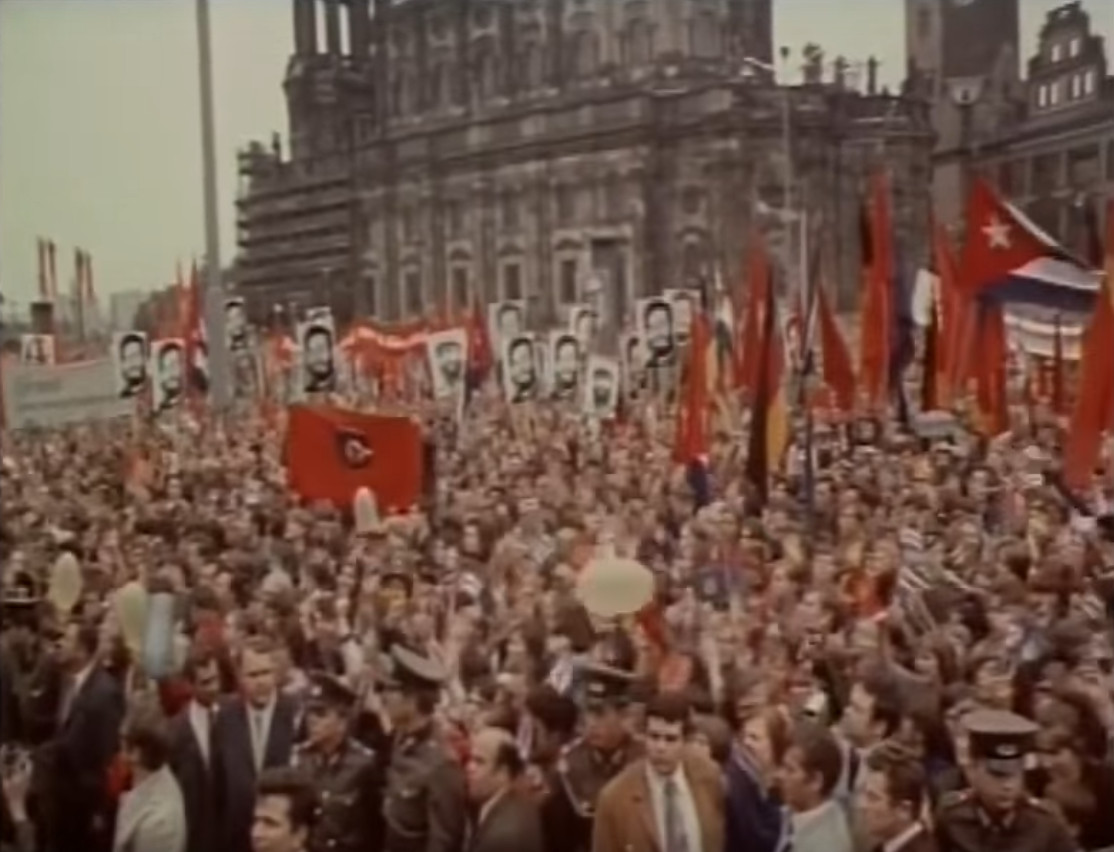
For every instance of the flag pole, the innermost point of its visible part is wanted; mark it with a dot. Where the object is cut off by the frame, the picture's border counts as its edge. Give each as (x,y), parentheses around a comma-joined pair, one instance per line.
(213,287)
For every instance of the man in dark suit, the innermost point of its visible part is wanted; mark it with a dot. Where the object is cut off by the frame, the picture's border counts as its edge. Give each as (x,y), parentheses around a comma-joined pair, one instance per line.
(506,820)
(889,802)
(253,731)
(191,750)
(87,740)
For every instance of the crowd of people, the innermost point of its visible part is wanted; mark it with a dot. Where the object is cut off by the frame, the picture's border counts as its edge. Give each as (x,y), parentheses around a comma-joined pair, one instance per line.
(907,649)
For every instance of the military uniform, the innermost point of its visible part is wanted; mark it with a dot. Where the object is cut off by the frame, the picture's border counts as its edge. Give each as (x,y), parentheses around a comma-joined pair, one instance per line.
(583,771)
(346,780)
(425,806)
(999,742)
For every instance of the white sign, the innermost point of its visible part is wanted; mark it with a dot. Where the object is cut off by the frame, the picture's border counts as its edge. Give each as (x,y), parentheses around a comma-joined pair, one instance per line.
(62,394)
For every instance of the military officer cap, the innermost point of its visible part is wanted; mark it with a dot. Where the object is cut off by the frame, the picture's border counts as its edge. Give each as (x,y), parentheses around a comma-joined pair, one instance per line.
(21,594)
(1000,740)
(606,685)
(412,670)
(329,692)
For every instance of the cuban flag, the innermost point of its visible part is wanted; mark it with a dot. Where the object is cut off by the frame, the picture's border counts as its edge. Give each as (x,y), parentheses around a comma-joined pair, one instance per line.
(1011,262)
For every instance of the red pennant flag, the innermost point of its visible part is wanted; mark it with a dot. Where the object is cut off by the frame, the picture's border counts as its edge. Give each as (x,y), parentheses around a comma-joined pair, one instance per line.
(331,452)
(691,437)
(836,369)
(749,332)
(877,308)
(1094,404)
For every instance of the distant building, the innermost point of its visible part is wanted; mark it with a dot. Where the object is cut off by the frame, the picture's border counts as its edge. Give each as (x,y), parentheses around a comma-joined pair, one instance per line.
(443,152)
(1058,160)
(964,56)
(123,308)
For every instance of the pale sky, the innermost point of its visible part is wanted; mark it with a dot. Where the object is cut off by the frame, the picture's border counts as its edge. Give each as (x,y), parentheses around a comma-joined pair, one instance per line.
(99,138)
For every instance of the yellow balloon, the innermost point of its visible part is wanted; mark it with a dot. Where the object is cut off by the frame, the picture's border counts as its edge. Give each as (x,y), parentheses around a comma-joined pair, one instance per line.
(65,583)
(130,606)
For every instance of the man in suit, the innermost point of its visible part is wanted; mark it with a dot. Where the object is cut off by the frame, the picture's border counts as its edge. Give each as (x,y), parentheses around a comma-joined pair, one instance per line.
(506,820)
(131,359)
(889,802)
(521,370)
(88,735)
(152,816)
(191,749)
(671,800)
(251,732)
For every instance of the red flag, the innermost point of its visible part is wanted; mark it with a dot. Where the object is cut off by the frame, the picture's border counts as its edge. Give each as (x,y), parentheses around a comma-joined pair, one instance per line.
(948,315)
(748,333)
(479,343)
(769,421)
(331,452)
(1094,404)
(990,372)
(836,369)
(690,442)
(877,308)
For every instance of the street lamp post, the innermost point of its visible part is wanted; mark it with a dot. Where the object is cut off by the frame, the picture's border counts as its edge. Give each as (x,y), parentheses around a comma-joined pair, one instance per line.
(219,377)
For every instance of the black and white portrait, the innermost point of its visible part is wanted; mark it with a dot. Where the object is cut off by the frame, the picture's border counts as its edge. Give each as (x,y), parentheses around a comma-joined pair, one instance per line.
(167,369)
(317,339)
(656,330)
(584,323)
(520,372)
(448,360)
(634,363)
(236,324)
(506,321)
(683,303)
(37,349)
(129,354)
(564,364)
(601,396)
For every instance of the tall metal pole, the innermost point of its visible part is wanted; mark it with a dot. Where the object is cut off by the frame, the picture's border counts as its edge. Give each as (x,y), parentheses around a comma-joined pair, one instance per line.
(219,374)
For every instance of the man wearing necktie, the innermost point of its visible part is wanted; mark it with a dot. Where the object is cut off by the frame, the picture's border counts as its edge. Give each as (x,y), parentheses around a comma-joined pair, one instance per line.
(251,732)
(672,800)
(191,748)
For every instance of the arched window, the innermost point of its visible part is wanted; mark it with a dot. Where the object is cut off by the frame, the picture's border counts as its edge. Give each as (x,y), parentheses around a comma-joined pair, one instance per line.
(705,35)
(584,54)
(640,43)
(487,84)
(692,263)
(533,66)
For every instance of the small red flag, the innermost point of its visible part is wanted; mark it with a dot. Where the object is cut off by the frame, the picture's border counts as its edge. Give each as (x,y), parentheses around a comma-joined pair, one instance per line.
(331,452)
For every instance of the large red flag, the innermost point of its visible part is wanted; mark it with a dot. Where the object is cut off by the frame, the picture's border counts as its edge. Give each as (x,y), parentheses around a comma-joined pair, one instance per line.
(877,309)
(1094,404)
(331,452)
(836,368)
(748,333)
(948,315)
(691,438)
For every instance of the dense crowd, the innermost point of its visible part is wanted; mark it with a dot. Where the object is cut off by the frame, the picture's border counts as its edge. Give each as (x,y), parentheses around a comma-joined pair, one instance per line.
(910,648)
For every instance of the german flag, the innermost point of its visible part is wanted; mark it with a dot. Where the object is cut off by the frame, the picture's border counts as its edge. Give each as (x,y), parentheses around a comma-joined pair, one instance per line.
(332,452)
(769,423)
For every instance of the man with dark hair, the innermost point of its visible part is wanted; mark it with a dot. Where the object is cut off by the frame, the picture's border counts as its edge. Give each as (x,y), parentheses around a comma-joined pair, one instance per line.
(131,364)
(90,715)
(285,807)
(889,803)
(425,805)
(152,815)
(448,358)
(506,820)
(566,365)
(317,352)
(342,769)
(873,713)
(169,373)
(191,751)
(809,774)
(657,332)
(236,324)
(684,790)
(521,373)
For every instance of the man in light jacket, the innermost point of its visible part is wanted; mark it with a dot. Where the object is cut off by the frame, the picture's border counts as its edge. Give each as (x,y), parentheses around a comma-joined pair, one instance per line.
(152,816)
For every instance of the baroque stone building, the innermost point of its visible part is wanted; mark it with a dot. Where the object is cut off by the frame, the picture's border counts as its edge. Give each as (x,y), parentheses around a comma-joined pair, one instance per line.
(449,150)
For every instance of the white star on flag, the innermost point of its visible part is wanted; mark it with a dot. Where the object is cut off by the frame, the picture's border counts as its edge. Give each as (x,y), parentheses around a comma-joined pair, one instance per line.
(997,233)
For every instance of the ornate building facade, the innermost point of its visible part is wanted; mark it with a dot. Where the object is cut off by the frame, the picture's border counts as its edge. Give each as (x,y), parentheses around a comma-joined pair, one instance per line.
(443,152)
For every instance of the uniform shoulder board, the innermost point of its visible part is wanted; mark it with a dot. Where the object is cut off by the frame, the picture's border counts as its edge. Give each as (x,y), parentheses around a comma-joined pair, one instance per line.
(955,798)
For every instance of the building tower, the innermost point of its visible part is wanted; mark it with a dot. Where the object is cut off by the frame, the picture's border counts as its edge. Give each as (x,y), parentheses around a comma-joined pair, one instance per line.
(964,57)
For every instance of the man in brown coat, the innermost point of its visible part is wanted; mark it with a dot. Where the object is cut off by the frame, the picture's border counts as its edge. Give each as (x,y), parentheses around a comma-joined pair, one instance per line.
(669,801)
